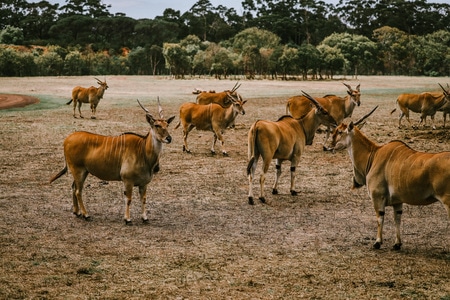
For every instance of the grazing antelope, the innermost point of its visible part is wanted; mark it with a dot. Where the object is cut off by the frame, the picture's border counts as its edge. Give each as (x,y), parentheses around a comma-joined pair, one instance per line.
(394,174)
(223,98)
(212,117)
(425,103)
(90,95)
(339,108)
(129,157)
(282,140)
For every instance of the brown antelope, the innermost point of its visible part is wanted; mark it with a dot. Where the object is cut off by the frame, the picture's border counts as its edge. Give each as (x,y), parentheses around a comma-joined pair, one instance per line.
(223,98)
(446,107)
(425,103)
(339,108)
(91,95)
(129,157)
(212,117)
(282,140)
(394,174)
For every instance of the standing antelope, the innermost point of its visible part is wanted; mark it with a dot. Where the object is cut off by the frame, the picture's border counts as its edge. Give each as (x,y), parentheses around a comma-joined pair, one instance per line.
(425,103)
(129,157)
(339,108)
(282,140)
(223,98)
(394,174)
(212,117)
(90,95)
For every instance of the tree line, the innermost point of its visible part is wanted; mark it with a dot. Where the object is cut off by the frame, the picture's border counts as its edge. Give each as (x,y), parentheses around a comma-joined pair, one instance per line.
(271,38)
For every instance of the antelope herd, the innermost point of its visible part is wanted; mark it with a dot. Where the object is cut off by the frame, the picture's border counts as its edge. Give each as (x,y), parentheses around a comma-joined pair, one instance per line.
(393,173)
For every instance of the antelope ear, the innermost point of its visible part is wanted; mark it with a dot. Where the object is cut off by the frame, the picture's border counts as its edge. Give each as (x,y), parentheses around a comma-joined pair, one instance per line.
(361,125)
(150,119)
(350,127)
(170,119)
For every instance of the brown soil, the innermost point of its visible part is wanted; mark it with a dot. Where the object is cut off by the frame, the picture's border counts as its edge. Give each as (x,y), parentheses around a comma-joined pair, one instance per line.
(203,240)
(12,101)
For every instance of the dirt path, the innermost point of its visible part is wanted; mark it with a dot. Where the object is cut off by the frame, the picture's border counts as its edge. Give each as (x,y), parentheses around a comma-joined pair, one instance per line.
(14,100)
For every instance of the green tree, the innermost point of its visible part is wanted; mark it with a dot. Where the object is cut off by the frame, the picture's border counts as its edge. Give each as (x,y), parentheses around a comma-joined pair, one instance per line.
(11,35)
(113,32)
(9,62)
(91,8)
(177,60)
(433,54)
(74,64)
(155,32)
(12,12)
(289,61)
(50,63)
(73,29)
(358,50)
(332,59)
(394,51)
(294,21)
(308,59)
(37,21)
(248,43)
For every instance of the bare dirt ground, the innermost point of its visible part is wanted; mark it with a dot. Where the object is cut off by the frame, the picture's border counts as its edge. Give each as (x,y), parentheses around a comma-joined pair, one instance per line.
(203,240)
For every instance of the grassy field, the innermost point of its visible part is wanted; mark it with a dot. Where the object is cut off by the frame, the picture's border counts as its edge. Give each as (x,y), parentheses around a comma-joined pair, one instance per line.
(203,240)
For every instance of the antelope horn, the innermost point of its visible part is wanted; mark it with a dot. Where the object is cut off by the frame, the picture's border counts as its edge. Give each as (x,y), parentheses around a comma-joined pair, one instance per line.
(348,86)
(365,117)
(98,80)
(234,87)
(146,110)
(317,104)
(443,88)
(160,110)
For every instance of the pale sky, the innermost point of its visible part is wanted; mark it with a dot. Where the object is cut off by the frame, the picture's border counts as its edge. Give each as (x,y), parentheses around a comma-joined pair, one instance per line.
(140,9)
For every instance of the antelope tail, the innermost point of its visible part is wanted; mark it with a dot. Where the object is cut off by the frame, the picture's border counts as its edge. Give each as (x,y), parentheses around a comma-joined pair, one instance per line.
(69,101)
(61,173)
(251,148)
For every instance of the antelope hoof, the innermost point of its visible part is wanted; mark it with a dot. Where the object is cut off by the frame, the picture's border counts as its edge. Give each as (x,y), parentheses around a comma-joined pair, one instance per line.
(397,247)
(128,222)
(262,199)
(250,201)
(213,152)
(93,117)
(325,148)
(145,221)
(186,150)
(377,245)
(224,153)
(87,218)
(294,193)
(274,192)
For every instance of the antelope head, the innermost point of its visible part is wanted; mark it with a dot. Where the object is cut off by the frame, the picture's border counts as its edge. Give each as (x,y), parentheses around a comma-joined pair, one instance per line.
(159,126)
(355,95)
(102,83)
(340,138)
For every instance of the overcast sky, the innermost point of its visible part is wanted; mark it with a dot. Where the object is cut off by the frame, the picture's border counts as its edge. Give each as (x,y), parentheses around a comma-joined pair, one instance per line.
(139,9)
